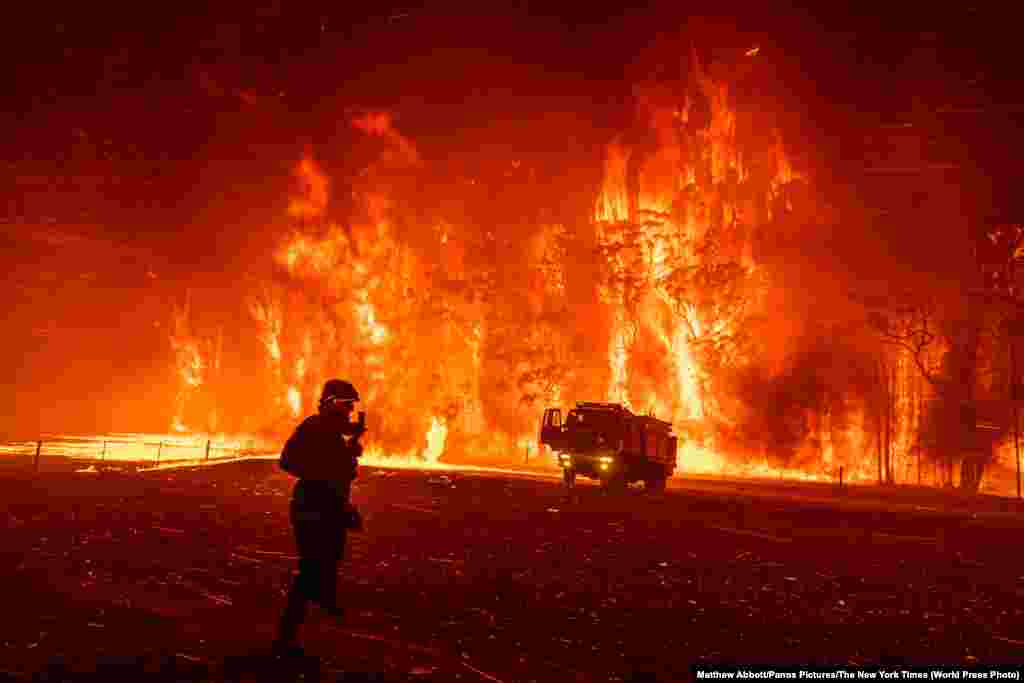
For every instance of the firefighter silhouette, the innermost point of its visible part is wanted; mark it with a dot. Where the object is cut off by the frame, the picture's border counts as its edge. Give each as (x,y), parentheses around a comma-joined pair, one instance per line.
(323,454)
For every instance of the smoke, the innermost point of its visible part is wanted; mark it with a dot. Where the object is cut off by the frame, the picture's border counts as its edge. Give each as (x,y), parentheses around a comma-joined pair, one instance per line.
(779,410)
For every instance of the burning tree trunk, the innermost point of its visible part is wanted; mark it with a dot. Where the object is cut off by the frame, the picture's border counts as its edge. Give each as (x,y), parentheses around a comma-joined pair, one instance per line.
(188,360)
(949,431)
(965,366)
(885,402)
(199,364)
(909,328)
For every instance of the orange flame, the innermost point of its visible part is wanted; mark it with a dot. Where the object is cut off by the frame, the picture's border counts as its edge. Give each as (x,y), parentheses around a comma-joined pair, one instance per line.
(313,202)
(654,210)
(189,361)
(405,307)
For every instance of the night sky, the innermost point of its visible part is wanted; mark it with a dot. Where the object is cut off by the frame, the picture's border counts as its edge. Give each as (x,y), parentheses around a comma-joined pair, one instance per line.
(148,148)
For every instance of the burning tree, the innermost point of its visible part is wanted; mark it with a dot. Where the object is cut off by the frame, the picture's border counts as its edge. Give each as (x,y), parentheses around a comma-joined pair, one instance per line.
(686,193)
(965,351)
(198,361)
(808,413)
(463,307)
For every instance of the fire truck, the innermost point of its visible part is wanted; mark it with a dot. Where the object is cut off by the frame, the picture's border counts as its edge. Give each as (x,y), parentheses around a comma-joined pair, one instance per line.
(606,441)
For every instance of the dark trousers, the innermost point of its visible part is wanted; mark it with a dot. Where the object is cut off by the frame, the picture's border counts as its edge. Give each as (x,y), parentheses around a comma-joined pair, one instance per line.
(320,540)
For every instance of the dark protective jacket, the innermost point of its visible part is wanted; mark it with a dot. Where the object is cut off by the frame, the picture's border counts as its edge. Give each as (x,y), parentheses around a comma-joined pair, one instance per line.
(325,464)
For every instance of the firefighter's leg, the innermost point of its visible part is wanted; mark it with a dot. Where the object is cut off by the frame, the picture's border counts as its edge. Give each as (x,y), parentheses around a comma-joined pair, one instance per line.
(304,584)
(308,544)
(292,617)
(332,550)
(298,597)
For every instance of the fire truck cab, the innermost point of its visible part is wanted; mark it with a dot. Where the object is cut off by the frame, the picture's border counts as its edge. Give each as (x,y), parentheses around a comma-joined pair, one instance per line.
(606,441)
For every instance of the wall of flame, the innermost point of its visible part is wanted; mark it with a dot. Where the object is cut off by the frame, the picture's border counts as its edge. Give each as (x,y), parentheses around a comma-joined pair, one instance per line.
(459,330)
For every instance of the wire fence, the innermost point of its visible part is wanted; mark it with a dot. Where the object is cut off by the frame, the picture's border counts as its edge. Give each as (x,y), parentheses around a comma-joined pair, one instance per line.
(125,451)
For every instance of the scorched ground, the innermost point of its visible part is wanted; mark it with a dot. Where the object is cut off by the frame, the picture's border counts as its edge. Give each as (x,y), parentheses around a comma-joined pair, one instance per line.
(496,577)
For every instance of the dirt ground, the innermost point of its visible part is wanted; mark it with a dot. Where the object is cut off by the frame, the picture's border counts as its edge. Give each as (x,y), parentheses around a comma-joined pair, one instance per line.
(180,575)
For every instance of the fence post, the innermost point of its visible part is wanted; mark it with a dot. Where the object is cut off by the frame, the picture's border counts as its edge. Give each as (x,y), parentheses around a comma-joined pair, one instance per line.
(103,453)
(207,449)
(159,448)
(39,447)
(840,476)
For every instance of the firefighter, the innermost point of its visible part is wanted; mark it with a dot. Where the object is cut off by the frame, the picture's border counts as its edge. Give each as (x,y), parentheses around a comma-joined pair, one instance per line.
(323,454)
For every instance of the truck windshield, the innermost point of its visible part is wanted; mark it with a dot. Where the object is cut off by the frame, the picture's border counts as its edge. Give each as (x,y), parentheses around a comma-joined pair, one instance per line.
(597,425)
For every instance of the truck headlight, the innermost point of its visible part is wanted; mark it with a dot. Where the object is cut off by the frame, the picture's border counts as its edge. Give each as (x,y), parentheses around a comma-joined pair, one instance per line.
(604,466)
(606,459)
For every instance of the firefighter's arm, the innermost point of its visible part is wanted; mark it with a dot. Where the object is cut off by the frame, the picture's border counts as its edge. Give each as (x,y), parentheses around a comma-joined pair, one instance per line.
(307,454)
(292,453)
(353,450)
(354,429)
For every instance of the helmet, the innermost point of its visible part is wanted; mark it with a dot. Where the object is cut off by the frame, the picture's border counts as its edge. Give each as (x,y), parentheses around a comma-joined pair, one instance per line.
(338,389)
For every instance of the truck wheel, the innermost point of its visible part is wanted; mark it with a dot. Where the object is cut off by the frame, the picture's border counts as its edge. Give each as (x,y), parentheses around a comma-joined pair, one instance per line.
(569,477)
